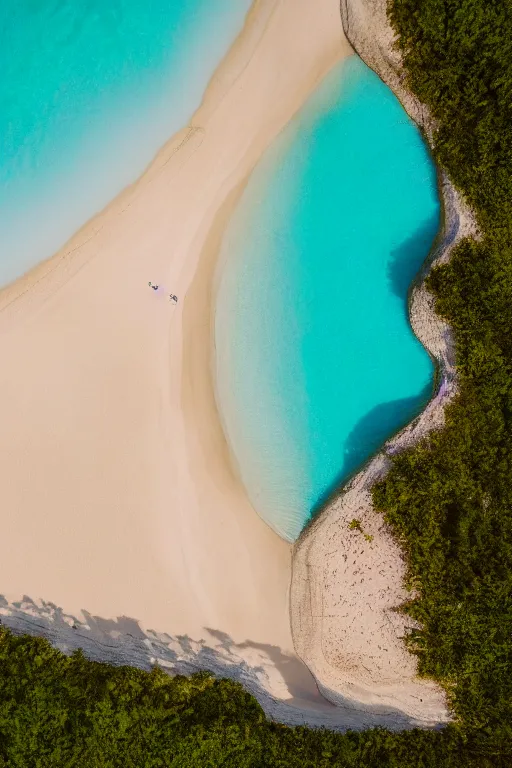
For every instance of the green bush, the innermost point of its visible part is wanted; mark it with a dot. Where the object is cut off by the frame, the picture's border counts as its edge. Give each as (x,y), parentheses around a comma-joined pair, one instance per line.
(60,712)
(450,499)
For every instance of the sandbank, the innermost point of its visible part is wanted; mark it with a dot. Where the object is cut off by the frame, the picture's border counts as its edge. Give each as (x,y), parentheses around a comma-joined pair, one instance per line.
(122,518)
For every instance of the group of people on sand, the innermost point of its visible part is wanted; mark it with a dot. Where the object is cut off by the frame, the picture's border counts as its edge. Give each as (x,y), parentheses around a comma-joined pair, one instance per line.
(172,297)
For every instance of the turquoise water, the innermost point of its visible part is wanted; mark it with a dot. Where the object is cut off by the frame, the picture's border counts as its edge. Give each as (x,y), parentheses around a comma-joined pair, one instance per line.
(316,362)
(89,91)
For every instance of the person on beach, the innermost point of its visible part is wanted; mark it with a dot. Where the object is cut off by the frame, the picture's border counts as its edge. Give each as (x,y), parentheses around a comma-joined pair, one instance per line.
(154,287)
(173,298)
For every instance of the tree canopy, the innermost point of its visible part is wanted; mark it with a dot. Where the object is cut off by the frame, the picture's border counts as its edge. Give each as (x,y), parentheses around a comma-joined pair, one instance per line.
(450,499)
(58,711)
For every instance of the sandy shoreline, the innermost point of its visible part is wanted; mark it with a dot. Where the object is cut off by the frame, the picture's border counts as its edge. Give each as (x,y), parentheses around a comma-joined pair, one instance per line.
(341,582)
(124,521)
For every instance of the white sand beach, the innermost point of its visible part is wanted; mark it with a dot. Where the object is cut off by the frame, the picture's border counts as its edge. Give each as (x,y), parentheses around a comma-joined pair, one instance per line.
(125,529)
(119,499)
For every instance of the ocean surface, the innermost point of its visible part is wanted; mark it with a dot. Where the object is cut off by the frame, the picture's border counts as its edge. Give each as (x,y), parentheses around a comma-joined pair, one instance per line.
(316,363)
(89,91)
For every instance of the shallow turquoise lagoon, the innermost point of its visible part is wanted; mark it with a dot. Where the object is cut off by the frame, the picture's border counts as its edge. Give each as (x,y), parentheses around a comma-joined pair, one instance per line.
(316,363)
(89,91)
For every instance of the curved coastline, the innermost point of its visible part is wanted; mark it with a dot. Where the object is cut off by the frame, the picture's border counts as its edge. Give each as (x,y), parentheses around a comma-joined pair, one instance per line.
(299,426)
(344,586)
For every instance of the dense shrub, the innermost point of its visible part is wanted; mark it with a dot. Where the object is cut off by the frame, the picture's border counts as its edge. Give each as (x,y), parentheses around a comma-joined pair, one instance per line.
(450,499)
(59,711)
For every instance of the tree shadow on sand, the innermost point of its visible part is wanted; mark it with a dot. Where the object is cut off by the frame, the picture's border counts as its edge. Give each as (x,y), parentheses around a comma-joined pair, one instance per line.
(299,680)
(122,641)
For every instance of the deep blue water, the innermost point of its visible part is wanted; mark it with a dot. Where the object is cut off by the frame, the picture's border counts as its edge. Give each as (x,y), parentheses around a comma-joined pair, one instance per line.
(89,91)
(316,362)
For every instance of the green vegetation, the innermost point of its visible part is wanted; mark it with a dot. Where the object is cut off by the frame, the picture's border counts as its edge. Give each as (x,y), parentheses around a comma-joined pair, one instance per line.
(62,712)
(355,525)
(449,501)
